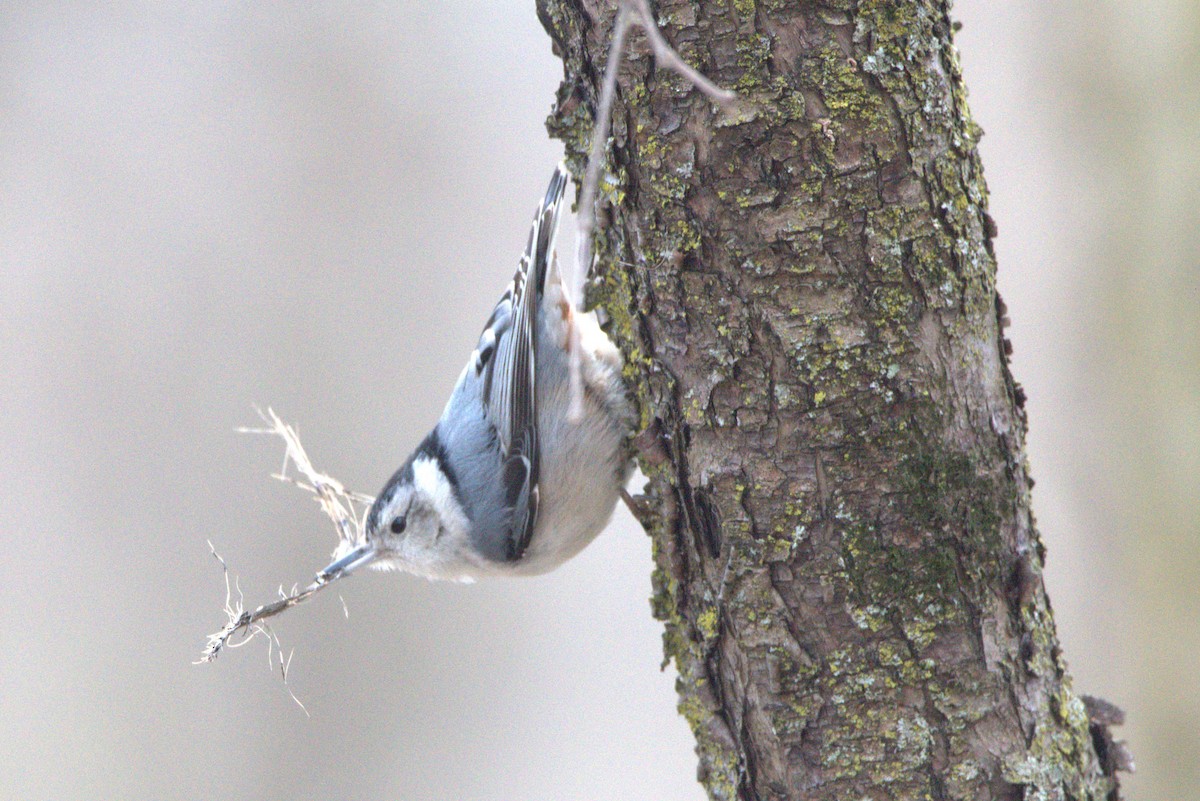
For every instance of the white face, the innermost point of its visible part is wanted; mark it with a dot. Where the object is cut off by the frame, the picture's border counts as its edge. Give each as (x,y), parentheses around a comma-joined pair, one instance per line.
(420,514)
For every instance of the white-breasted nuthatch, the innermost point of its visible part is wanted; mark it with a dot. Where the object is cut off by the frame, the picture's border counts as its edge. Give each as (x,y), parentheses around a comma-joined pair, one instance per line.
(507,482)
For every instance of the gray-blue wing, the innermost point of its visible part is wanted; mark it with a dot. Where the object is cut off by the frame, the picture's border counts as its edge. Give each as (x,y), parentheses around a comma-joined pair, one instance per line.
(506,360)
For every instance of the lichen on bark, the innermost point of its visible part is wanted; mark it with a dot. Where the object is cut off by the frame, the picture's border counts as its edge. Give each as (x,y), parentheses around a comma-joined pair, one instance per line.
(804,287)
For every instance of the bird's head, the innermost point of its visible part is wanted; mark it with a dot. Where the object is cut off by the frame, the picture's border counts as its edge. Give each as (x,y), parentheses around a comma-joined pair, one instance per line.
(407,524)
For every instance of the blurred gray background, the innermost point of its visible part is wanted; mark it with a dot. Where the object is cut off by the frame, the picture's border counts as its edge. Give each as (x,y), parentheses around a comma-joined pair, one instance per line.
(314,206)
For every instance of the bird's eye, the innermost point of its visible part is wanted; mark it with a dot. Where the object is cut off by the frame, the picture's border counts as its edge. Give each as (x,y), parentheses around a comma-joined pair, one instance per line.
(398,524)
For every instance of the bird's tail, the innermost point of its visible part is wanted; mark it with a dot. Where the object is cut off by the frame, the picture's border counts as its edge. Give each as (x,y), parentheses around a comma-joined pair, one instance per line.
(546,226)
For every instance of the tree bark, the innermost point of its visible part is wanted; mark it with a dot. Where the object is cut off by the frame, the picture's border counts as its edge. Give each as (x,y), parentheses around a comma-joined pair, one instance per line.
(804,289)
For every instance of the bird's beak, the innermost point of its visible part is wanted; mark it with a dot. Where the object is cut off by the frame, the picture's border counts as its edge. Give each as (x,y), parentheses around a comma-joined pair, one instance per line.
(347,564)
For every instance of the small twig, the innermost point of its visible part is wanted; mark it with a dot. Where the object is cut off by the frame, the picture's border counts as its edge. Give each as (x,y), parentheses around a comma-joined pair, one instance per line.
(587,198)
(668,57)
(242,621)
(630,12)
(339,504)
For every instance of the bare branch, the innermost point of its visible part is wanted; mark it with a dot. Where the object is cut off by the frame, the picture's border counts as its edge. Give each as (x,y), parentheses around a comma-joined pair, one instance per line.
(668,57)
(587,196)
(631,12)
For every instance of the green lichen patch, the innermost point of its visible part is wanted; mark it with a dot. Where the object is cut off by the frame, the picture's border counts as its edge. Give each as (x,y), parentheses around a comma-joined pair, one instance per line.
(1060,762)
(840,83)
(754,54)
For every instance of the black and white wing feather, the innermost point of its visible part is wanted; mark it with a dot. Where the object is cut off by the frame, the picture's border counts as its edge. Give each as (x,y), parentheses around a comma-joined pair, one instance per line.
(506,362)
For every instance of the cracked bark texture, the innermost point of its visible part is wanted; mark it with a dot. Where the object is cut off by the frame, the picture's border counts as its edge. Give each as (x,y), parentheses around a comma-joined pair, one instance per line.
(804,287)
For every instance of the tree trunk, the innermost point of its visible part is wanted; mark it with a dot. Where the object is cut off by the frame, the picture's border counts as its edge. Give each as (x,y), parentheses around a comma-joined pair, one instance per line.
(804,288)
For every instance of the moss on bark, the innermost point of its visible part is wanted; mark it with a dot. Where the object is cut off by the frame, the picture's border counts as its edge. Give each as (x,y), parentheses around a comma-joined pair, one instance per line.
(804,287)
